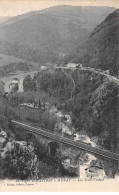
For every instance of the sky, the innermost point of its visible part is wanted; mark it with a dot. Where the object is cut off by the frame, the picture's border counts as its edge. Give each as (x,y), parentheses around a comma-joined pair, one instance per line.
(18,7)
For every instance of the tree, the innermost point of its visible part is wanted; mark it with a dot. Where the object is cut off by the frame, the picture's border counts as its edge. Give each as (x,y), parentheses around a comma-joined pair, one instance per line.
(21,163)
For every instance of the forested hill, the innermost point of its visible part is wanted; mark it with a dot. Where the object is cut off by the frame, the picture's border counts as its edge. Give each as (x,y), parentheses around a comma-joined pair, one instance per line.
(102,49)
(46,35)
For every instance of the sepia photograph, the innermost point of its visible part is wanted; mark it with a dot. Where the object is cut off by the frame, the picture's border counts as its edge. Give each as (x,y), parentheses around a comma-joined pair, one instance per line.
(59,95)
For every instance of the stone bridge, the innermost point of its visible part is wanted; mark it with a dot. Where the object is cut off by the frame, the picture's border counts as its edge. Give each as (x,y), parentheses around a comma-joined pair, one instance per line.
(20,78)
(54,142)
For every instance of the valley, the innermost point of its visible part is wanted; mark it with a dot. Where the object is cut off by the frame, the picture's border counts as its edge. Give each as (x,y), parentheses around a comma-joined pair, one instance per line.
(59,90)
(56,113)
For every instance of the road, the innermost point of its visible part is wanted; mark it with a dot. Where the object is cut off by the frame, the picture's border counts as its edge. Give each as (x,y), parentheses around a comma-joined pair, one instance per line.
(21,76)
(76,144)
(110,77)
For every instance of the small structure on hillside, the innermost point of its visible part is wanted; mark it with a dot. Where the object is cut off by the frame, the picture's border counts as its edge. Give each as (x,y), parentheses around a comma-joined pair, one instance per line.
(79,65)
(71,65)
(43,67)
(107,72)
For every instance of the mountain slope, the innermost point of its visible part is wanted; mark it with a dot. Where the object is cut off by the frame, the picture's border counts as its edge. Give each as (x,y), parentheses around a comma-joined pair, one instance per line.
(102,49)
(45,35)
(10,65)
(4,19)
(6,60)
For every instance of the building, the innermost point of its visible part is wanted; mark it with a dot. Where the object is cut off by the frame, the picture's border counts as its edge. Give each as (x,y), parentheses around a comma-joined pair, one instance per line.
(107,72)
(71,65)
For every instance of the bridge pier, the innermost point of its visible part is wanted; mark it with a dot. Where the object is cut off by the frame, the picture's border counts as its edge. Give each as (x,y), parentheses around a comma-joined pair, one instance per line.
(110,168)
(75,165)
(110,159)
(52,148)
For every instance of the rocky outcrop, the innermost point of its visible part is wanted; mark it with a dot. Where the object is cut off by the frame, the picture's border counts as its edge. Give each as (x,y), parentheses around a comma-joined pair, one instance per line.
(98,98)
(3,137)
(18,159)
(110,168)
(2,84)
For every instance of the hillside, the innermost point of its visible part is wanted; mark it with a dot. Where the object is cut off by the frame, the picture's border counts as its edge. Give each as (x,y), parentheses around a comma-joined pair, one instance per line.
(69,102)
(101,50)
(6,60)
(46,35)
(89,98)
(10,65)
(4,19)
